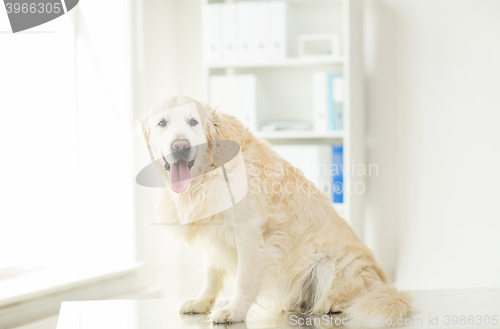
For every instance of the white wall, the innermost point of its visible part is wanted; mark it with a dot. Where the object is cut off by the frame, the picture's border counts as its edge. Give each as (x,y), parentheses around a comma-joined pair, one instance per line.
(433,104)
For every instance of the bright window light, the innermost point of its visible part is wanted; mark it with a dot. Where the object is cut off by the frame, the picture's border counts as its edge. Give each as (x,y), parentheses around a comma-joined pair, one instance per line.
(66,142)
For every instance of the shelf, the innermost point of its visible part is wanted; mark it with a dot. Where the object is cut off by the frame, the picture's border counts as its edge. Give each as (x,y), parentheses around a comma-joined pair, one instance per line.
(300,134)
(287,62)
(301,137)
(284,91)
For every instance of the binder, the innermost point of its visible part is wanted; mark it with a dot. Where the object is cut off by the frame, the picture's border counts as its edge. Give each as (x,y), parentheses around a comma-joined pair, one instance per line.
(229,18)
(247,100)
(328,101)
(246,41)
(236,95)
(338,173)
(223,93)
(331,102)
(320,101)
(260,22)
(246,31)
(338,101)
(213,34)
(276,21)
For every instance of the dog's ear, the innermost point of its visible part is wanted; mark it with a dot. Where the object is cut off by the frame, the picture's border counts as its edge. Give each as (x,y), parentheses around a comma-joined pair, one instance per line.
(211,123)
(142,126)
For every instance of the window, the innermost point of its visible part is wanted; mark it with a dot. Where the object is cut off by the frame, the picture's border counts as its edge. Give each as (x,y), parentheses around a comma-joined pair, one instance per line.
(66,141)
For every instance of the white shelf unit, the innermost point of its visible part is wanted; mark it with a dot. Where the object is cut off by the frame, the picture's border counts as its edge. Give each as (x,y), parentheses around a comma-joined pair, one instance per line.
(329,136)
(287,62)
(287,86)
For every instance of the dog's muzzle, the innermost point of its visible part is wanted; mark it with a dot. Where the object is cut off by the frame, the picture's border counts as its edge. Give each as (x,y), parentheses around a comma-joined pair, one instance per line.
(166,165)
(180,167)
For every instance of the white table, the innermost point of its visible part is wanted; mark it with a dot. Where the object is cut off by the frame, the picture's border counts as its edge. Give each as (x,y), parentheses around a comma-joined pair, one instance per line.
(429,305)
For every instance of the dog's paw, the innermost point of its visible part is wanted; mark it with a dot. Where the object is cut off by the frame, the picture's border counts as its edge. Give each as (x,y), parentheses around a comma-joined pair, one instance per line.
(193,306)
(228,314)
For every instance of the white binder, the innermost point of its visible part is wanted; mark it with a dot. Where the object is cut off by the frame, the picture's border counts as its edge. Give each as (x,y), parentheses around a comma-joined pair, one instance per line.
(260,23)
(223,93)
(247,86)
(236,95)
(246,43)
(320,101)
(229,32)
(213,32)
(276,21)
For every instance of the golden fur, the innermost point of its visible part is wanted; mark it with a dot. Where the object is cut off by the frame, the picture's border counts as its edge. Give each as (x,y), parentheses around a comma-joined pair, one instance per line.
(288,247)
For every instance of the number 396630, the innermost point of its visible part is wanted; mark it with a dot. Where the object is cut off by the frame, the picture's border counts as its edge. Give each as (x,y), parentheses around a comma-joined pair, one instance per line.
(33,8)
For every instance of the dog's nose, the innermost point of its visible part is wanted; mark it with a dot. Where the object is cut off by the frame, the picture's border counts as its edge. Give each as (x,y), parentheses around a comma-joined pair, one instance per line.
(180,144)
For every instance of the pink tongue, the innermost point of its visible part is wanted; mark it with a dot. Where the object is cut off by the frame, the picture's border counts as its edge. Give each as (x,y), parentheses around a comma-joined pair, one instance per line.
(179,176)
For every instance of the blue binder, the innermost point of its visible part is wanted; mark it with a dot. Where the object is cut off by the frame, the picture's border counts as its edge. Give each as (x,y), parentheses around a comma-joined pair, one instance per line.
(338,111)
(338,173)
(335,109)
(330,102)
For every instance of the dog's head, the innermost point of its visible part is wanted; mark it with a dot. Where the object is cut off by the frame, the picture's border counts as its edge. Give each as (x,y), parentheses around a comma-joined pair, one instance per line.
(176,130)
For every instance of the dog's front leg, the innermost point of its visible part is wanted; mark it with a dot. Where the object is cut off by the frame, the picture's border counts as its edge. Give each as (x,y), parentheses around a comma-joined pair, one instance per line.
(206,299)
(250,249)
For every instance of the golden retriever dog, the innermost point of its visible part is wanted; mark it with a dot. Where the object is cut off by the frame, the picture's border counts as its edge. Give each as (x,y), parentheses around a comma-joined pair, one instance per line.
(284,241)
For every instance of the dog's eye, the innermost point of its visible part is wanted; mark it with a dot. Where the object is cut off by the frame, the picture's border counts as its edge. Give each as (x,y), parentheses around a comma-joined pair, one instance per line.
(162,123)
(193,122)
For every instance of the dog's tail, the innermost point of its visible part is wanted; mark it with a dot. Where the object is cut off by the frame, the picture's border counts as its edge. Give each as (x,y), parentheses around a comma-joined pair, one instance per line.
(381,301)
